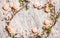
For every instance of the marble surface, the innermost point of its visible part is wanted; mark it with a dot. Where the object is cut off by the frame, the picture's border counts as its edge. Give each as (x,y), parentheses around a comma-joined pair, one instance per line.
(27,19)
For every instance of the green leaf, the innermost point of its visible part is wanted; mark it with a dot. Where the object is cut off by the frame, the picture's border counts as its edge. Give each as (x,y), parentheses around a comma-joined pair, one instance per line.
(27,7)
(12,36)
(49,30)
(20,1)
(7,23)
(52,16)
(58,15)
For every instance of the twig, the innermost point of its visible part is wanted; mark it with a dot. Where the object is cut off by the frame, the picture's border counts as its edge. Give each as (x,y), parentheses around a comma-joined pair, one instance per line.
(16,12)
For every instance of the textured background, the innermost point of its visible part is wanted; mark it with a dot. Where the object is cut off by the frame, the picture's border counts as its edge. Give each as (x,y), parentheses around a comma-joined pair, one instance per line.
(26,20)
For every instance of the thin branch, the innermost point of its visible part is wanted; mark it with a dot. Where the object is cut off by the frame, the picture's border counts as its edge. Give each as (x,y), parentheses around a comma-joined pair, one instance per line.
(16,12)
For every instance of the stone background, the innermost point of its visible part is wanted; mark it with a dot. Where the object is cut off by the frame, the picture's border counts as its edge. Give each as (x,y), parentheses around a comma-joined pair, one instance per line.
(26,20)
